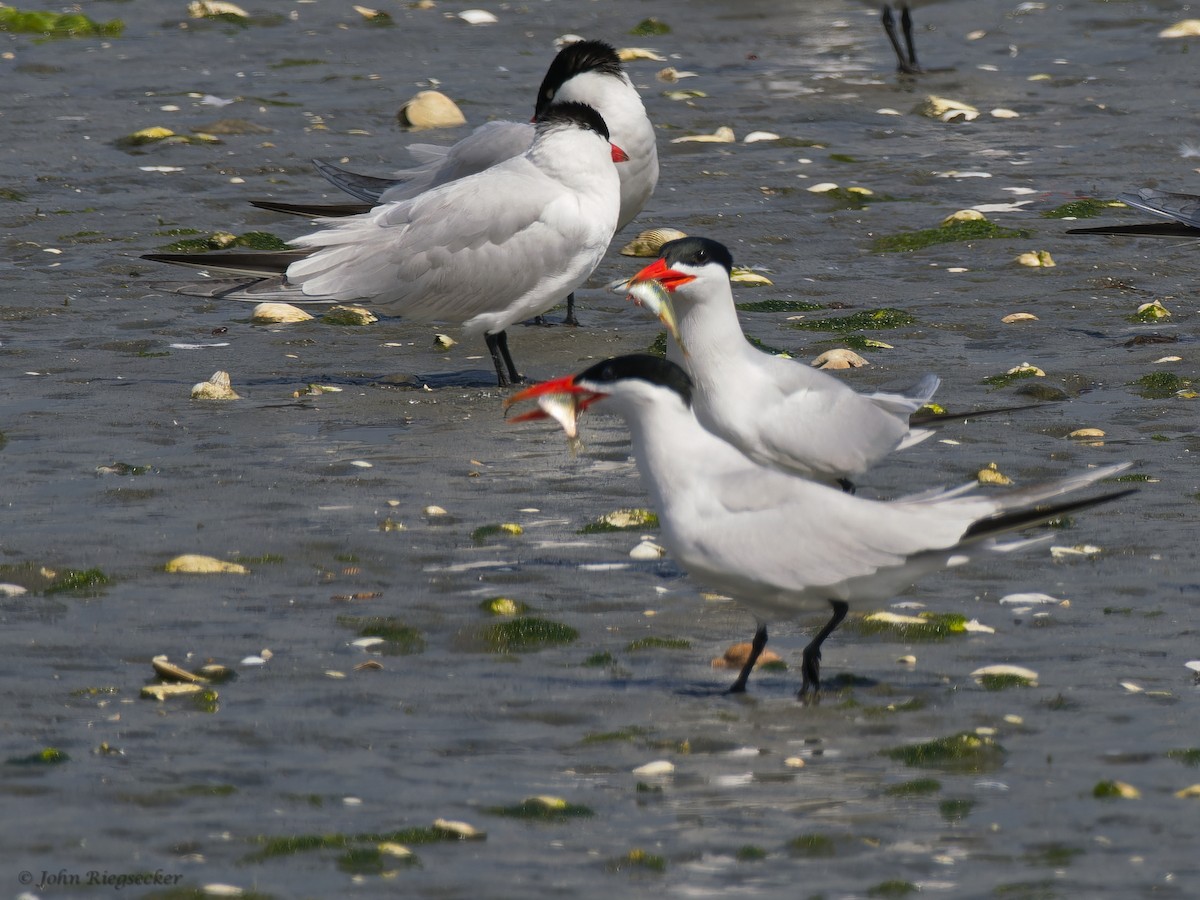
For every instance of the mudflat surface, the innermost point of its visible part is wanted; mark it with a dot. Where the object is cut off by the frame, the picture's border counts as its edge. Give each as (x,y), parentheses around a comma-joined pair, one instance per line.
(110,466)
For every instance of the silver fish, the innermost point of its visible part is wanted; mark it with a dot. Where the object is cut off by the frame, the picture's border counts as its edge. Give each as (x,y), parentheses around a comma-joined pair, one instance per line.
(657,299)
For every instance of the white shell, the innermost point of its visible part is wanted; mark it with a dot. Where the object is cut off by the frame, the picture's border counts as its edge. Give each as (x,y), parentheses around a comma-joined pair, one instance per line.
(839,358)
(431,109)
(1077,550)
(671,75)
(218,387)
(1036,259)
(991,474)
(1026,369)
(198,9)
(647,550)
(278,314)
(723,135)
(964,215)
(1013,318)
(935,107)
(629,54)
(649,242)
(1186,28)
(1027,599)
(164,691)
(478,17)
(198,564)
(974,626)
(1004,669)
(658,767)
(462,829)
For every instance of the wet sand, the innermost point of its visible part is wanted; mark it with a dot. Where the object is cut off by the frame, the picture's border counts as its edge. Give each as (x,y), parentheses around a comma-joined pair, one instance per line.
(100,364)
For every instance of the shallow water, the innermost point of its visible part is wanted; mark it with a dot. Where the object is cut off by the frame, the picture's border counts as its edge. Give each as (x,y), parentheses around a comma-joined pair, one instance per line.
(456,731)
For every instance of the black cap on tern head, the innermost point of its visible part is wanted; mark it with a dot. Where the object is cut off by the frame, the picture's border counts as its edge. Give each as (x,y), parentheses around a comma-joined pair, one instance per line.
(579,115)
(643,366)
(696,251)
(575,59)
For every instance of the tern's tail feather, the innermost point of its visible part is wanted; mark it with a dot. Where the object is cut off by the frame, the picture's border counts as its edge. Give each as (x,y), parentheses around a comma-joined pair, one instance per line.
(367,188)
(928,420)
(246,290)
(1026,506)
(313,210)
(1145,229)
(245,263)
(909,400)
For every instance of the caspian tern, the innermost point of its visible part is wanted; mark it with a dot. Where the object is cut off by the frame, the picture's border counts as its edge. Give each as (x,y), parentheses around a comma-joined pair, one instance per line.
(1181,210)
(779,544)
(485,251)
(779,412)
(583,72)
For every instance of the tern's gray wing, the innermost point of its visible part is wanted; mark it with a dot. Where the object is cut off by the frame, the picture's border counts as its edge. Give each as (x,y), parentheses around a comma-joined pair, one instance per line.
(470,247)
(483,148)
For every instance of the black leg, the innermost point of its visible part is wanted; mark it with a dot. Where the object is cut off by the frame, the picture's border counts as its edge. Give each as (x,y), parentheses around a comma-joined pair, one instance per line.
(906,62)
(906,26)
(847,486)
(810,666)
(756,649)
(569,319)
(497,345)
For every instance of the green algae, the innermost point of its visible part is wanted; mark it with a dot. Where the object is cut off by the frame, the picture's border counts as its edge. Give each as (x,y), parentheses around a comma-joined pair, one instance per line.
(78,580)
(916,788)
(969,230)
(543,809)
(56,25)
(400,639)
(527,633)
(1160,385)
(964,751)
(628,519)
(50,756)
(1002,682)
(1082,208)
(659,643)
(778,306)
(251,240)
(866,320)
(503,606)
(933,627)
(638,860)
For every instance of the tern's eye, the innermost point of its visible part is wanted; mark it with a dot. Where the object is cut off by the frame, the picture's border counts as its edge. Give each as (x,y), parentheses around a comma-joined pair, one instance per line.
(701,256)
